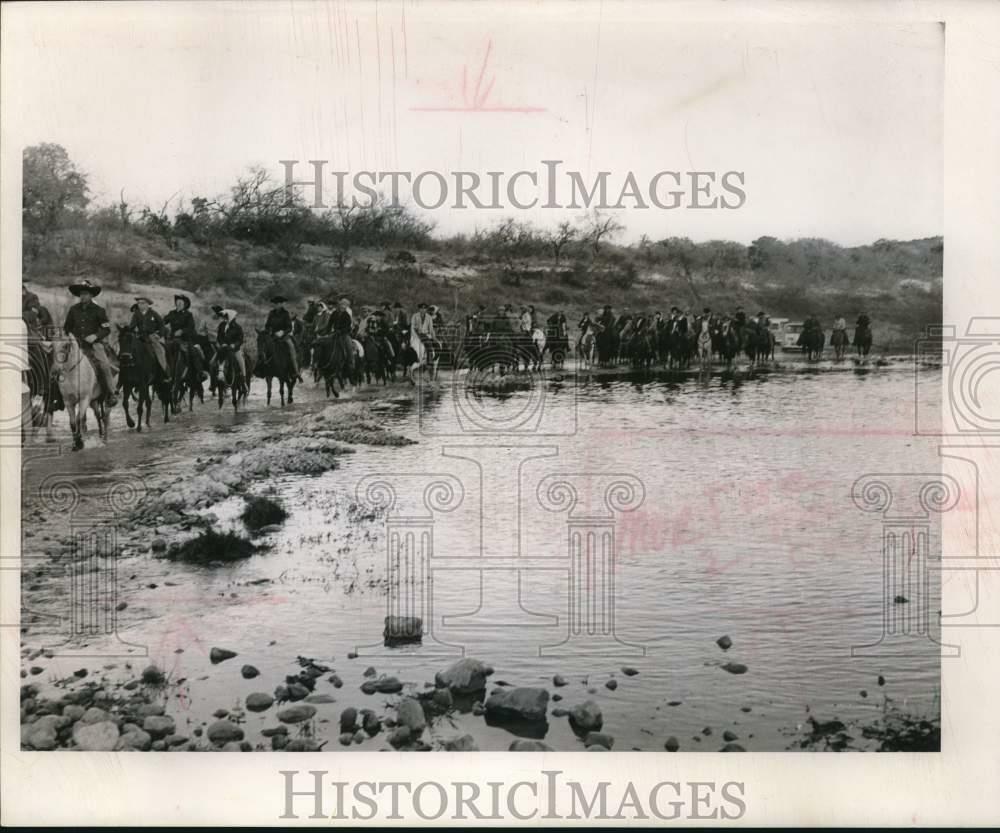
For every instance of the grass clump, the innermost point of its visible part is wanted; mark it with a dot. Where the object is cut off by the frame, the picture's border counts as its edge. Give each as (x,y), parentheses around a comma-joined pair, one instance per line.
(261,511)
(212,546)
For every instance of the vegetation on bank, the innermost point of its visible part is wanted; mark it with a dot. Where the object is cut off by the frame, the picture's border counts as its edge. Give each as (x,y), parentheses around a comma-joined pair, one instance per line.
(243,246)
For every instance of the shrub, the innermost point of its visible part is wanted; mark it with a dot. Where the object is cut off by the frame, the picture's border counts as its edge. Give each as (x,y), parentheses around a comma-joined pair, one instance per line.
(261,511)
(212,546)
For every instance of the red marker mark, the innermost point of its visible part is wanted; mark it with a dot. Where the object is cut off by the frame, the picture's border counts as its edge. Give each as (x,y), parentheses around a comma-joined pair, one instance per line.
(476,102)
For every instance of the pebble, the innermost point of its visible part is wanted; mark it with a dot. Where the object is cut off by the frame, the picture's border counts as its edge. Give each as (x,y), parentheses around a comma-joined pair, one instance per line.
(337,682)
(158,726)
(629,671)
(587,716)
(297,713)
(259,701)
(522,745)
(224,731)
(465,743)
(611,684)
(249,672)
(730,735)
(559,681)
(217,655)
(599,739)
(672,744)
(735,668)
(724,642)
(348,719)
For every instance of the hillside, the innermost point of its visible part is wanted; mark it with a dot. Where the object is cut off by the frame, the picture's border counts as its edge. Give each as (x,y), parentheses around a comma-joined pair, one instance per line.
(898,283)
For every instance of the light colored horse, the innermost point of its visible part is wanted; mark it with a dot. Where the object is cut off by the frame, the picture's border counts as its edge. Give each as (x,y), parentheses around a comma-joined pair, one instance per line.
(423,361)
(80,388)
(538,340)
(587,348)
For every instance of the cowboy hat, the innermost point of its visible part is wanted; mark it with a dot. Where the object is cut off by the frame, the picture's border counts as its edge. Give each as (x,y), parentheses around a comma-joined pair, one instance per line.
(85,286)
(143,298)
(217,309)
(184,300)
(279,299)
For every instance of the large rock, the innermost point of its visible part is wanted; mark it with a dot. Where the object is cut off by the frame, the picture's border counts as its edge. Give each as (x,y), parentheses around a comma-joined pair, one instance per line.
(388,685)
(599,739)
(348,719)
(224,731)
(158,726)
(297,713)
(94,715)
(259,701)
(410,713)
(467,676)
(96,737)
(586,717)
(41,734)
(135,740)
(521,703)
(402,629)
(522,745)
(400,736)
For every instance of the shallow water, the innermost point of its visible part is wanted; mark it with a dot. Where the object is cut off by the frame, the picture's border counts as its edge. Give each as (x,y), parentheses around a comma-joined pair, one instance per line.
(747,528)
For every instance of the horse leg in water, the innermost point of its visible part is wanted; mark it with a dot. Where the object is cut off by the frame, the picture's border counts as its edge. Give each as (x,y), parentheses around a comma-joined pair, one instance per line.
(269,390)
(126,394)
(291,389)
(73,412)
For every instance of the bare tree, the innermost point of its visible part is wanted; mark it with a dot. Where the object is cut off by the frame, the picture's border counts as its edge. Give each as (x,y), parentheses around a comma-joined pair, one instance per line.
(564,234)
(600,226)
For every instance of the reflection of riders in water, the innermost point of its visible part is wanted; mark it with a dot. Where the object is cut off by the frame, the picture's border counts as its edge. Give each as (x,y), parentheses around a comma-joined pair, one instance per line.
(147,324)
(88,324)
(279,325)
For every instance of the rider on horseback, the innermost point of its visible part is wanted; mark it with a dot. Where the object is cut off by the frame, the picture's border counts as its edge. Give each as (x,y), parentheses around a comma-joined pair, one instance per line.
(88,323)
(35,316)
(231,338)
(147,324)
(180,328)
(279,325)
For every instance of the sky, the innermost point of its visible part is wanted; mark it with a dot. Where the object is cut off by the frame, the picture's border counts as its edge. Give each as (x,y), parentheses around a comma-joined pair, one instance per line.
(836,127)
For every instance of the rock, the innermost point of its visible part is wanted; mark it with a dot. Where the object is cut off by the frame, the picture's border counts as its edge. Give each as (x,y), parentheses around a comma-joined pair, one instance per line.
(80,673)
(175,740)
(158,726)
(826,727)
(611,684)
(442,698)
(348,719)
(901,600)
(675,703)
(217,655)
(150,710)
(586,717)
(74,713)
(559,681)
(369,687)
(402,629)
(370,671)
(159,746)
(297,691)
(478,708)
(259,701)
(399,737)
(735,668)
(521,703)
(249,672)
(135,740)
(352,654)
(281,693)
(297,713)
(371,724)
(346,738)
(745,709)
(522,745)
(359,737)
(881,680)
(36,669)
(218,714)
(863,693)
(732,747)
(152,675)
(560,712)
(599,739)
(232,746)
(465,743)
(467,676)
(272,731)
(557,697)
(121,606)
(224,731)
(672,744)
(158,545)
(337,682)
(302,745)
(94,715)
(730,735)
(724,642)
(410,713)
(388,685)
(596,748)
(279,742)
(321,699)
(41,734)
(96,737)
(629,671)
(707,731)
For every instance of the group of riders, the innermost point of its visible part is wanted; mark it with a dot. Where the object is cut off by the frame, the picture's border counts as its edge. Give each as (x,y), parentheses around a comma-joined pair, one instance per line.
(337,344)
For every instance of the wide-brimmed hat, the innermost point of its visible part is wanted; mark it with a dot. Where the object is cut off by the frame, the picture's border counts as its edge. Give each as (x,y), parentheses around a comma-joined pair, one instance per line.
(85,286)
(217,309)
(143,298)
(279,299)
(184,300)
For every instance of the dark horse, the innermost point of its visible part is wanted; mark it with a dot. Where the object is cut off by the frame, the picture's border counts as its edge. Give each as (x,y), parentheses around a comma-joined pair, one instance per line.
(333,362)
(759,343)
(186,362)
(379,363)
(275,362)
(863,339)
(229,378)
(140,375)
(812,341)
(726,343)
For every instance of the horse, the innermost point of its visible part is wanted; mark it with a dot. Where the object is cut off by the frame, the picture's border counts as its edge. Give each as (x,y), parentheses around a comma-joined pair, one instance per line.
(703,344)
(140,374)
(38,379)
(608,345)
(533,346)
(725,342)
(678,346)
(332,363)
(839,342)
(812,341)
(275,362)
(185,361)
(642,348)
(228,377)
(79,388)
(586,348)
(863,340)
(426,352)
(377,359)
